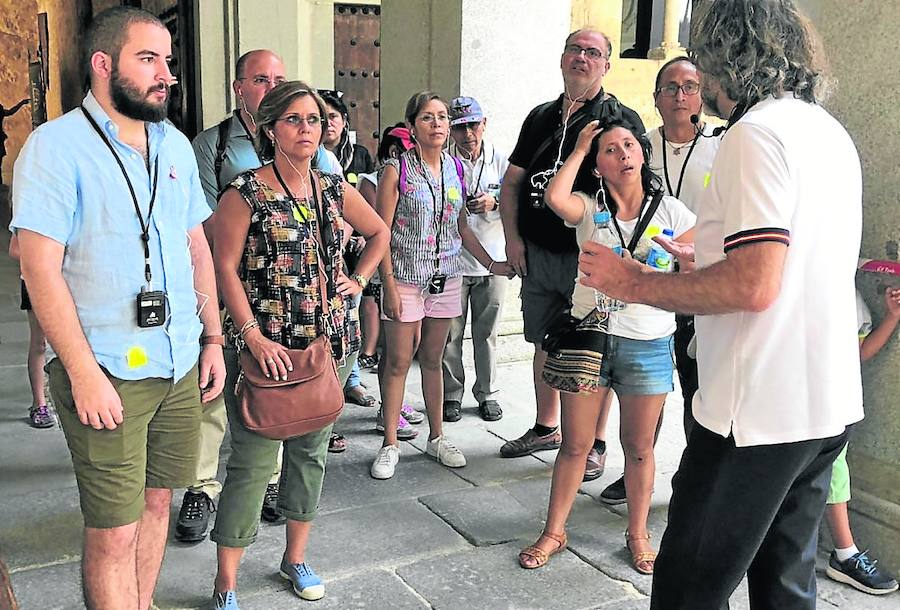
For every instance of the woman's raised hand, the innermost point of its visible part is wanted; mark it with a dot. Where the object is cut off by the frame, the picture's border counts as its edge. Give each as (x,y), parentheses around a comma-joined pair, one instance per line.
(586,136)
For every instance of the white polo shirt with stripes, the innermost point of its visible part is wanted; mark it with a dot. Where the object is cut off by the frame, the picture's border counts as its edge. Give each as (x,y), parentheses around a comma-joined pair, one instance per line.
(786,172)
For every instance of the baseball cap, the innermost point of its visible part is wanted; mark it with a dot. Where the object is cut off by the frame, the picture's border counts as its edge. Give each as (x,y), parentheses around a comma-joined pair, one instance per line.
(465,110)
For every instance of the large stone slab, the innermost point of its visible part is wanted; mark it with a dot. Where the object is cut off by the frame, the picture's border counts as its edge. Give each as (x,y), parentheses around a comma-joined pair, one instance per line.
(31,459)
(484,515)
(54,587)
(376,589)
(490,577)
(375,536)
(482,450)
(348,483)
(40,527)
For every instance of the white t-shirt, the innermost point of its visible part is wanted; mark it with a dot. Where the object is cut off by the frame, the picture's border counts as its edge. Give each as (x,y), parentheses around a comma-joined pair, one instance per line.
(786,172)
(373,178)
(699,165)
(488,170)
(636,321)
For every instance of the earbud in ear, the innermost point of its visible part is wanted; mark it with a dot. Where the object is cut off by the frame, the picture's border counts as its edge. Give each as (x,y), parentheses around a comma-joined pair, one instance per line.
(596,173)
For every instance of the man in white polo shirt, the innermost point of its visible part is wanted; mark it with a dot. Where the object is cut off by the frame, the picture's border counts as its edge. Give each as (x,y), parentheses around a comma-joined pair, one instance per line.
(777,240)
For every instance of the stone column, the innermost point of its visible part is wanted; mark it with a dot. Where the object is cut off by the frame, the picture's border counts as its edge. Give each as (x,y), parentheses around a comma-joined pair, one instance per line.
(670,46)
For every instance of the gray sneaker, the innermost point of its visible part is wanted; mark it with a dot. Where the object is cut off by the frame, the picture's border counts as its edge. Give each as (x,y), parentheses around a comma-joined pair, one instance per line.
(405,432)
(445,452)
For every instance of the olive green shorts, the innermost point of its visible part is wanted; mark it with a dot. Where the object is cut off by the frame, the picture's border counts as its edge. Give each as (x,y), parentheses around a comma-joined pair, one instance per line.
(155,446)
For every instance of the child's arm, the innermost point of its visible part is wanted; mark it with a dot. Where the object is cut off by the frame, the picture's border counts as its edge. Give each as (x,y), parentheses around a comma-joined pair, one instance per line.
(877,339)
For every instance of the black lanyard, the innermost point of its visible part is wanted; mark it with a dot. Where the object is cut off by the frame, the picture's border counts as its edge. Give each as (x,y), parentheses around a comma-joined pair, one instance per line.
(476,188)
(677,192)
(316,212)
(145,226)
(438,209)
(240,119)
(639,225)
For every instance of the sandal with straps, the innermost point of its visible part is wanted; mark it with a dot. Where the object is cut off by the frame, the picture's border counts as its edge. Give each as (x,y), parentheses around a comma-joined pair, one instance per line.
(540,556)
(641,558)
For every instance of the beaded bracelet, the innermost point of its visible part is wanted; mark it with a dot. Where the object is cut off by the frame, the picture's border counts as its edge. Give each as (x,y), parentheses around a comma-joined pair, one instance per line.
(248,326)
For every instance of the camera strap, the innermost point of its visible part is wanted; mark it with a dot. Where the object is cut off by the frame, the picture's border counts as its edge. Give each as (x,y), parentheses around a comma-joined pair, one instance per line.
(145,226)
(645,215)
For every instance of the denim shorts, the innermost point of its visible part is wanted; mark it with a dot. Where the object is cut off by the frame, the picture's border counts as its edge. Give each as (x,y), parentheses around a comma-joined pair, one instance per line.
(642,368)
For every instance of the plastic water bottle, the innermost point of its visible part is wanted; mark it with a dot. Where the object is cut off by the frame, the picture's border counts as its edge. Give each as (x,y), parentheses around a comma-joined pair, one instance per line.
(658,258)
(605,236)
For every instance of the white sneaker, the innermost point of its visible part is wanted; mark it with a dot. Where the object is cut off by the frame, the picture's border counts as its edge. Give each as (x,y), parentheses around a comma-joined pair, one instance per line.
(445,452)
(385,461)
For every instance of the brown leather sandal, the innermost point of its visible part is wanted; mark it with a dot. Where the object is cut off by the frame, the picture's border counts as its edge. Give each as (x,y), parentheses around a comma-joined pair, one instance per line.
(540,556)
(641,559)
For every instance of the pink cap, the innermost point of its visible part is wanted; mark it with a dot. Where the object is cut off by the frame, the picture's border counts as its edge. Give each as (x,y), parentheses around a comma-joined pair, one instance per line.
(404,135)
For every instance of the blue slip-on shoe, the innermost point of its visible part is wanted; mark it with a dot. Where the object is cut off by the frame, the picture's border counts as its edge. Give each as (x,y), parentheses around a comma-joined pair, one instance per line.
(305,582)
(225,601)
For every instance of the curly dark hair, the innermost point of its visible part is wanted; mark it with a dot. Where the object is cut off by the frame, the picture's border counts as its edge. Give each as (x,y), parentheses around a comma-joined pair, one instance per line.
(758,48)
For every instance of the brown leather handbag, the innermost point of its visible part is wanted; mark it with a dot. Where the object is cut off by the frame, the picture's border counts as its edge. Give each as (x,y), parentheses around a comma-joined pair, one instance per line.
(308,400)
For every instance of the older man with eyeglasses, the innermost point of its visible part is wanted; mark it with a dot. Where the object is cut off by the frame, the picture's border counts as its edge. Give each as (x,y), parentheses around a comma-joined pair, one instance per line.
(539,246)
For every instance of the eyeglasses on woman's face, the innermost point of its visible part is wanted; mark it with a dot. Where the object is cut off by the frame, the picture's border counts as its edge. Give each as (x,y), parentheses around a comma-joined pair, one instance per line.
(296,120)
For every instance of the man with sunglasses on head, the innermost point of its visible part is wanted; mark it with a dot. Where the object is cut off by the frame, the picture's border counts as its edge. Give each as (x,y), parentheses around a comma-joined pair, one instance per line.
(223,152)
(539,246)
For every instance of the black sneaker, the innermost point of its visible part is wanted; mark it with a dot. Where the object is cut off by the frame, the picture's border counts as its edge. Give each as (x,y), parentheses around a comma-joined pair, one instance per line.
(452,410)
(193,518)
(861,573)
(270,510)
(614,493)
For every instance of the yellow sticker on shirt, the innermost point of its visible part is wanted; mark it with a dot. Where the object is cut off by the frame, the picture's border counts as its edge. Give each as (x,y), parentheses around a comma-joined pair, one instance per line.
(706,180)
(301,214)
(453,193)
(136,357)
(352,178)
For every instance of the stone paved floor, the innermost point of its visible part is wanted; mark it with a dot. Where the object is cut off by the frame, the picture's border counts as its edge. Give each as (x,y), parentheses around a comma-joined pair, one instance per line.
(428,538)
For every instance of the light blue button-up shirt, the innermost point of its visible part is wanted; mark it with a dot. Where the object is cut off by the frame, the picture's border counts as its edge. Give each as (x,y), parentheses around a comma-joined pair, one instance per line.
(68,187)
(240,156)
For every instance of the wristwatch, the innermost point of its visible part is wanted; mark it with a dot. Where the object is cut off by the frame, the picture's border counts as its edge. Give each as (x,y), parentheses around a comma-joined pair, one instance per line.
(360,279)
(212,340)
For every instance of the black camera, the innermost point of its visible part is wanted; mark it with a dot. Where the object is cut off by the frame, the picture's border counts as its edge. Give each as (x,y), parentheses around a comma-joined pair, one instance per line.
(436,283)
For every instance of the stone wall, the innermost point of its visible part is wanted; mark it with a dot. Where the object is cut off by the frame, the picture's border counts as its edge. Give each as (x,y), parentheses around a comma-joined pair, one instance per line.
(66,23)
(18,37)
(862,49)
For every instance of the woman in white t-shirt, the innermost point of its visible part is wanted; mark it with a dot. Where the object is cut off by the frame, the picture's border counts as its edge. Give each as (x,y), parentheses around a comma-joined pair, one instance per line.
(633,357)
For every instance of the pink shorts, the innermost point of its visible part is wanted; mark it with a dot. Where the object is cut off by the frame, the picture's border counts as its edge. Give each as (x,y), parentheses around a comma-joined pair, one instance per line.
(418,303)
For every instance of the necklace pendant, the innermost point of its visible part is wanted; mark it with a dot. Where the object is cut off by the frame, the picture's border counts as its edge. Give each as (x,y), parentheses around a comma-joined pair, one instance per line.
(676,152)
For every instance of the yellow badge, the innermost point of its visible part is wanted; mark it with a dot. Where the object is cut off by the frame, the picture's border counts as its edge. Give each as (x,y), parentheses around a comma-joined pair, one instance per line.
(453,193)
(706,180)
(137,357)
(301,214)
(352,178)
